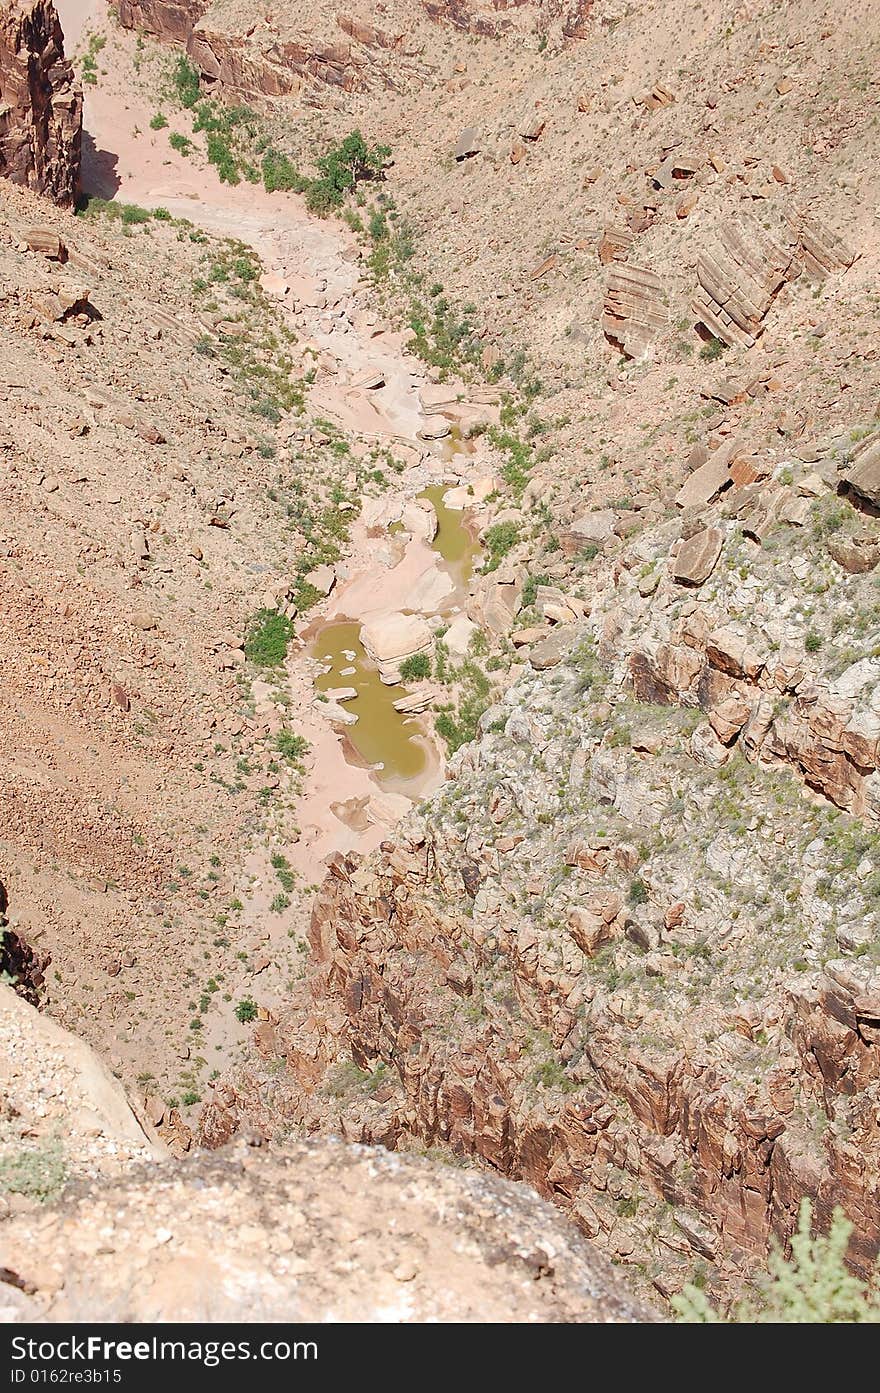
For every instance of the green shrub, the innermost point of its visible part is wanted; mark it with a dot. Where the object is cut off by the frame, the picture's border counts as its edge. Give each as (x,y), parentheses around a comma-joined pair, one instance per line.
(712,351)
(222,158)
(181,143)
(36,1171)
(159,121)
(282,868)
(291,747)
(418,665)
(246,1010)
(812,642)
(813,1287)
(458,727)
(267,639)
(341,169)
(498,541)
(185,79)
(280,173)
(638,892)
(132,214)
(530,589)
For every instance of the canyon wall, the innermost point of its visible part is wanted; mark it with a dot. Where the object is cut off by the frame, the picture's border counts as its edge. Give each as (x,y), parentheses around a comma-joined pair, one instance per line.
(659,1146)
(40,103)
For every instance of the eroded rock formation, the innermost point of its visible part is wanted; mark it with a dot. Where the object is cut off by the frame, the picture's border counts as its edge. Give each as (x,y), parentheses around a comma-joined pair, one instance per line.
(40,103)
(720,1141)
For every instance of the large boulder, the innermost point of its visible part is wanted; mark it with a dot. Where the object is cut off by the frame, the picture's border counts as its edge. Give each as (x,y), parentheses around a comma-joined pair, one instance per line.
(390,638)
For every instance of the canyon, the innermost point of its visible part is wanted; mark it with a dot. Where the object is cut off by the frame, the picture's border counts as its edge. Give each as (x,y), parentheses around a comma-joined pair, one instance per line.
(446,706)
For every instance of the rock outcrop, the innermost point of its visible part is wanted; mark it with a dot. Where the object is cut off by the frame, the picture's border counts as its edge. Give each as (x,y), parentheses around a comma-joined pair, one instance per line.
(269,61)
(318,1233)
(740,275)
(40,104)
(634,313)
(723,1147)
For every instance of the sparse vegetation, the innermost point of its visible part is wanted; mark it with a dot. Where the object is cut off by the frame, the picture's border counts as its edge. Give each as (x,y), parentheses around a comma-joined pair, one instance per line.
(39,1172)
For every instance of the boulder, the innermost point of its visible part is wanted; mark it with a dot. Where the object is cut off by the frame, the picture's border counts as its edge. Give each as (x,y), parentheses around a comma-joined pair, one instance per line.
(855,555)
(389,638)
(46,241)
(590,529)
(552,649)
(698,556)
(634,313)
(322,578)
(864,476)
(459,634)
(468,144)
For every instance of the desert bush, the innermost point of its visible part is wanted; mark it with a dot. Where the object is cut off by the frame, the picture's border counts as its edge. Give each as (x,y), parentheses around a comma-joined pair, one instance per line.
(267,639)
(814,1286)
(341,169)
(418,665)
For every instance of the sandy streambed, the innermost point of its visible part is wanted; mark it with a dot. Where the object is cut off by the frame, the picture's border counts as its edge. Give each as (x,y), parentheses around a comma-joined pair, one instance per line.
(311,270)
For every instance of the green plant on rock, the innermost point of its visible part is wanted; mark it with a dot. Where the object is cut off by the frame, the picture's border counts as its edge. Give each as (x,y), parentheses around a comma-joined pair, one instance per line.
(415,667)
(498,541)
(185,81)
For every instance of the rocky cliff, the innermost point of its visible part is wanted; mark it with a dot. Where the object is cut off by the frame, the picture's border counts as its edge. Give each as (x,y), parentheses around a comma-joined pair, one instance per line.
(40,104)
(671,1133)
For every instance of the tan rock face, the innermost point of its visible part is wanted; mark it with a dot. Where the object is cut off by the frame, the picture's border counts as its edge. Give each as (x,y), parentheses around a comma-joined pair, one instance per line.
(634,313)
(698,556)
(390,638)
(40,104)
(319,1232)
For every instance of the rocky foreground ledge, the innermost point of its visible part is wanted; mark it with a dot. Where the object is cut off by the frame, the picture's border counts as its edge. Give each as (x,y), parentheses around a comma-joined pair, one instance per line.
(321,1232)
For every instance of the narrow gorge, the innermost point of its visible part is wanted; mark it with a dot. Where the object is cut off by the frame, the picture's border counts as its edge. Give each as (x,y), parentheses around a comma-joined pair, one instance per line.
(440,478)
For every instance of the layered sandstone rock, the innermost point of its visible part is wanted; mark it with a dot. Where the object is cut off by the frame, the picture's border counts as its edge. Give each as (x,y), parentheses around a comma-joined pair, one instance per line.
(173,20)
(634,314)
(740,274)
(40,104)
(267,60)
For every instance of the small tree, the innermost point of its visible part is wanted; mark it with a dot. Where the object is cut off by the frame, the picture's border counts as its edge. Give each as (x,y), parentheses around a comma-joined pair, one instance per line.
(343,167)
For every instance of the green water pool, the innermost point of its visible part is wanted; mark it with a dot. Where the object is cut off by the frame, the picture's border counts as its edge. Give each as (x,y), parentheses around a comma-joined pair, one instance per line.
(381,735)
